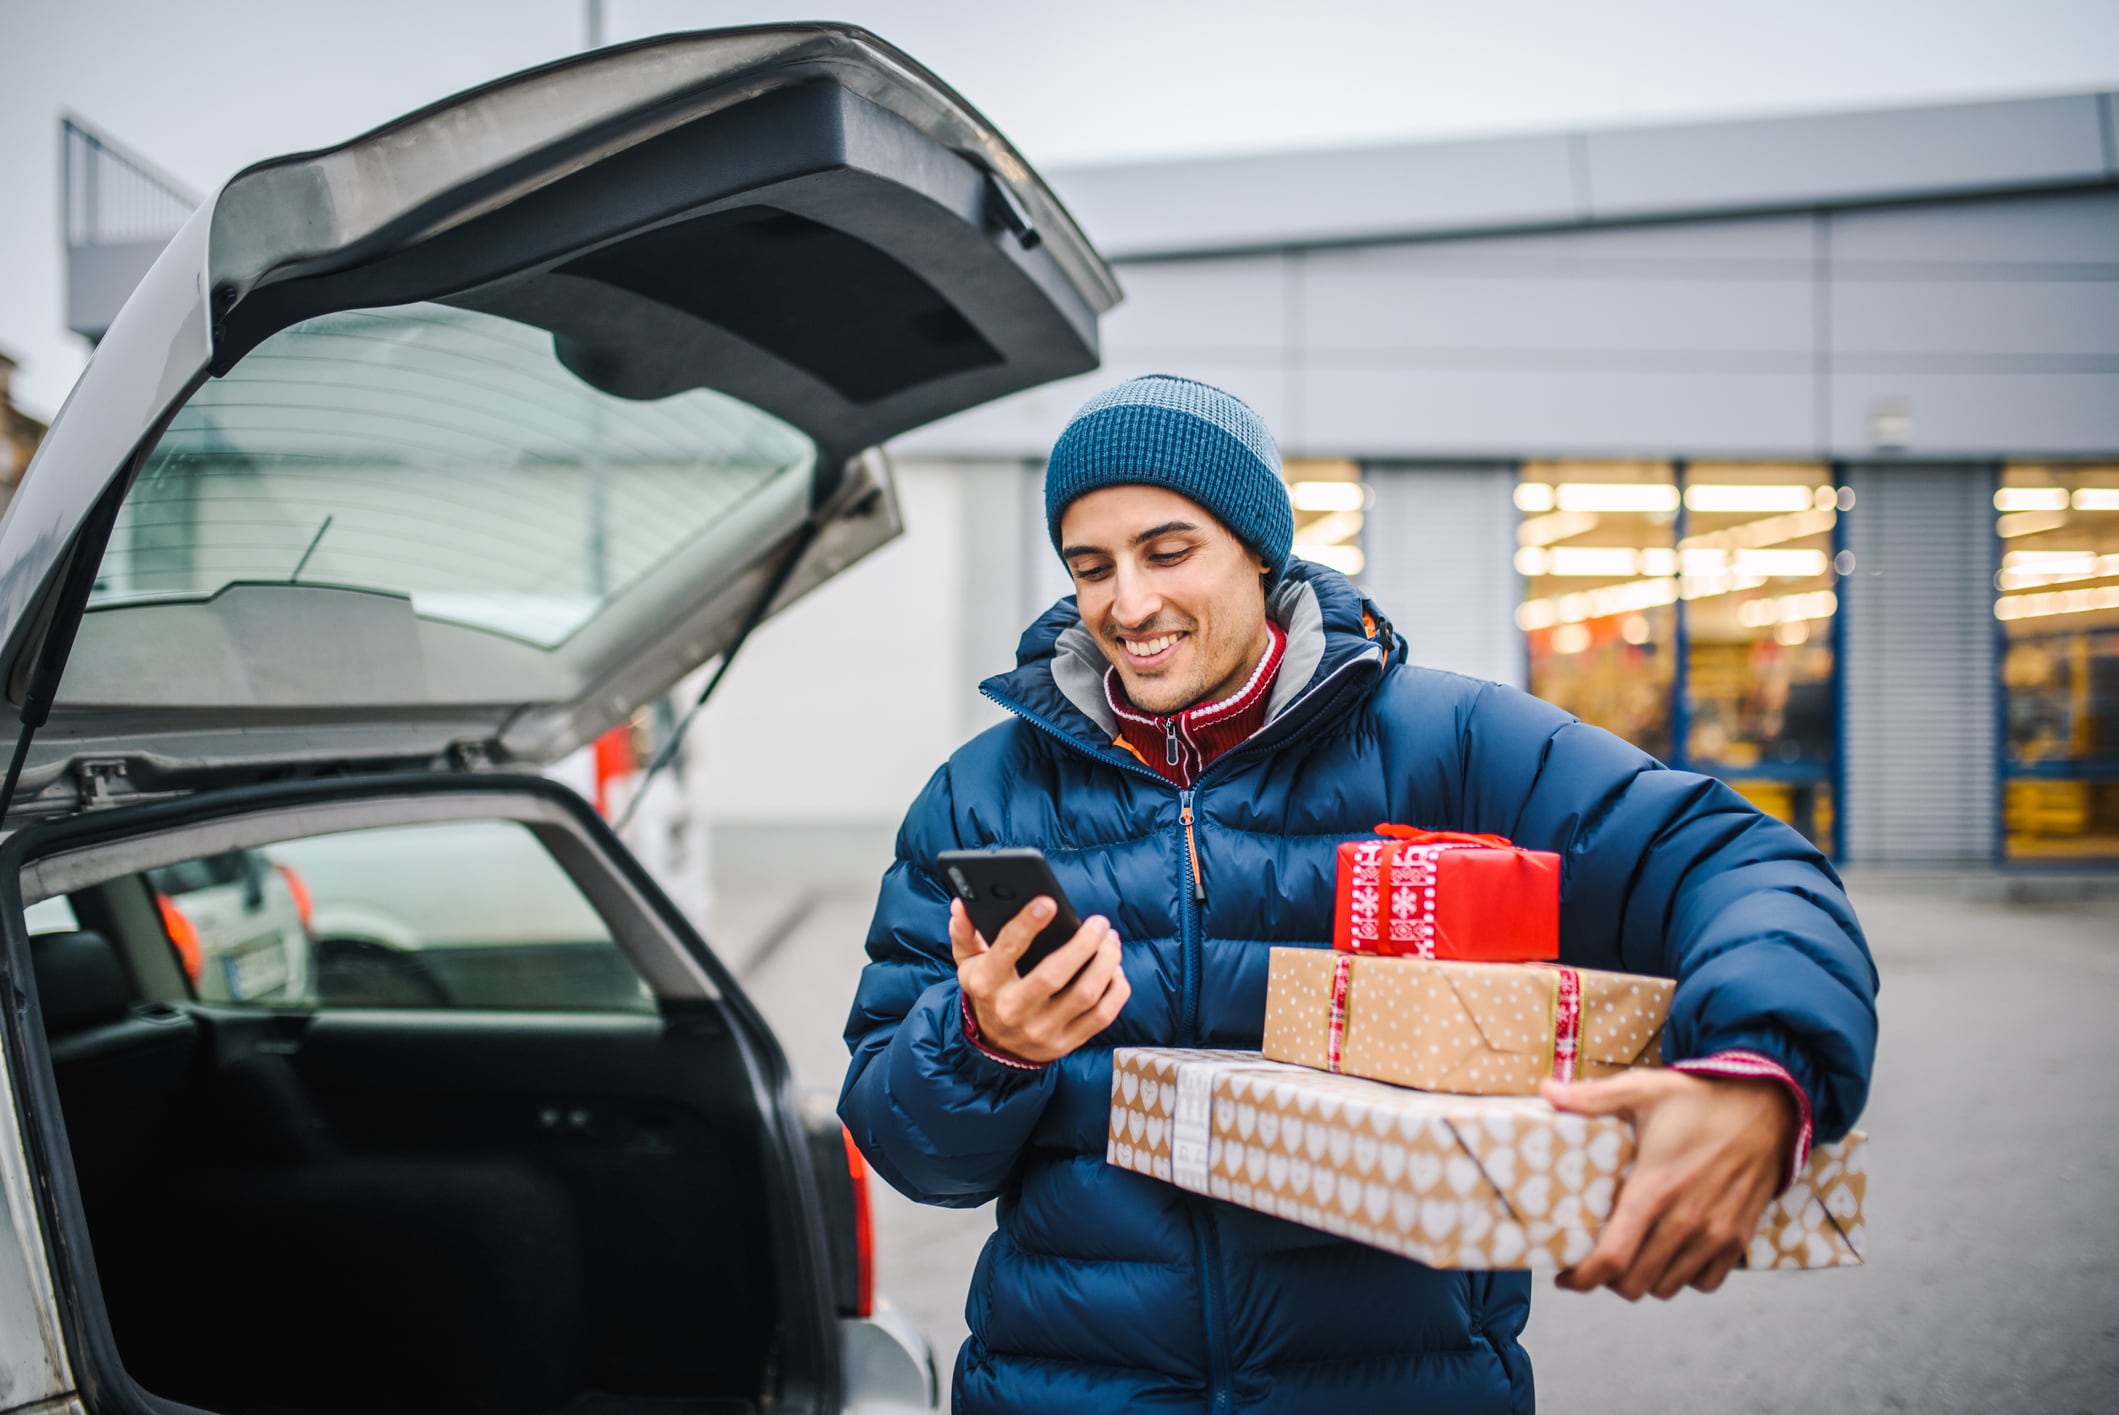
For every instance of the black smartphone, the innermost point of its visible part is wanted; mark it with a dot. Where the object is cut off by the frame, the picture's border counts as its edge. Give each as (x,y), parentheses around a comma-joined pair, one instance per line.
(996,884)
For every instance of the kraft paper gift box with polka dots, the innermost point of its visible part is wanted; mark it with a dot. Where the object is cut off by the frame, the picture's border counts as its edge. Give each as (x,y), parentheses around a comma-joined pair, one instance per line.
(1474,1182)
(1469,1028)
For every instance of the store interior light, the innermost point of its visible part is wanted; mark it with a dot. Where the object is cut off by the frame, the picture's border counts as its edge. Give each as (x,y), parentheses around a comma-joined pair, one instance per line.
(1329,496)
(1724,498)
(1346,559)
(1659,560)
(1628,597)
(1755,564)
(2027,569)
(1532,561)
(1635,629)
(1533,496)
(1791,633)
(1650,498)
(1787,609)
(1560,525)
(1332,528)
(1601,562)
(2097,498)
(2031,498)
(1570,638)
(1536,614)
(2039,606)
(2028,523)
(1773,530)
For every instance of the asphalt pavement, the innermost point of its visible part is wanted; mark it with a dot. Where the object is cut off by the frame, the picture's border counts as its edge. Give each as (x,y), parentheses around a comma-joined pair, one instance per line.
(1993,1274)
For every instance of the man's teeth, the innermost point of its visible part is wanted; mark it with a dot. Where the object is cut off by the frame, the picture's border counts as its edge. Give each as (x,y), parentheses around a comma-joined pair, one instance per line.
(1148,648)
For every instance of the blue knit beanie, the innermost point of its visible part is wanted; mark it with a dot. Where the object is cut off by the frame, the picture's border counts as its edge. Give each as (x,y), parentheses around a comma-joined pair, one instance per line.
(1188,437)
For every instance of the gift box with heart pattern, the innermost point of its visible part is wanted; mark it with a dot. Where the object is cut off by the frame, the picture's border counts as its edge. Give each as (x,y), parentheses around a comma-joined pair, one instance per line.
(1476,1182)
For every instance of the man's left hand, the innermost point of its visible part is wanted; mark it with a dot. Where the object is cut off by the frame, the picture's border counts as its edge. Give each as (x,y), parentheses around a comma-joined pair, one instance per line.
(1710,1153)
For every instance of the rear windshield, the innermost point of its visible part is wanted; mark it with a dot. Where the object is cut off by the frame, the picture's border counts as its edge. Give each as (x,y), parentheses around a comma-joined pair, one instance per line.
(439,454)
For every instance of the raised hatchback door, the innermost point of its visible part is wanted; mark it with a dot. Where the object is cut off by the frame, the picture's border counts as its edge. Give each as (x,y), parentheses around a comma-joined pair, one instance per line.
(482,429)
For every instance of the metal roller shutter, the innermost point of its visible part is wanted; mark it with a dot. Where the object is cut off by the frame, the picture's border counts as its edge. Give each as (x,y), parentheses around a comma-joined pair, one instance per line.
(1917,626)
(1441,544)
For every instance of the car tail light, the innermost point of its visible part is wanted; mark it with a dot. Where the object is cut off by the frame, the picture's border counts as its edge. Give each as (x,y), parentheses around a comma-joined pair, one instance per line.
(303,904)
(616,759)
(864,1234)
(183,936)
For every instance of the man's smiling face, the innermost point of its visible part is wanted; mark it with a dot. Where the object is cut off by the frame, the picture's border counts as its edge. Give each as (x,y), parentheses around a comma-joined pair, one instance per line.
(1176,601)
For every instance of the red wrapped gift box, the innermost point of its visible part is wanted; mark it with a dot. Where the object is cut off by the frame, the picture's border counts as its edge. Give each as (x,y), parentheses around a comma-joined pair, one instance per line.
(1442,894)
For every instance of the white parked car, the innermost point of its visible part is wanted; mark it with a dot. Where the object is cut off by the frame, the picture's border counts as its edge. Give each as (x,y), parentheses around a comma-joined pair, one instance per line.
(414,464)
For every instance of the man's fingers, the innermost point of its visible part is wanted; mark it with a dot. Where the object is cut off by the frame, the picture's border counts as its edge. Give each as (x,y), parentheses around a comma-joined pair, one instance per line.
(1051,977)
(1613,1095)
(1690,1260)
(964,941)
(1619,1244)
(1089,984)
(1020,932)
(1667,1237)
(1719,1269)
(1102,1013)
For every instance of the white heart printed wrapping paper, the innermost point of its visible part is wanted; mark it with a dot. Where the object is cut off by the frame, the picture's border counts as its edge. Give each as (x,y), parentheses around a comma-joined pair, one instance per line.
(1470,1182)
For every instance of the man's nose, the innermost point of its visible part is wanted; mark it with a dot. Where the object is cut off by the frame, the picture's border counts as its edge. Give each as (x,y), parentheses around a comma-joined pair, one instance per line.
(1135,602)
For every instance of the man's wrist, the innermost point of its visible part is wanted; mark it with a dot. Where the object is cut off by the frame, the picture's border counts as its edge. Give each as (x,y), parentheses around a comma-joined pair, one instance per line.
(1751,1065)
(986,1049)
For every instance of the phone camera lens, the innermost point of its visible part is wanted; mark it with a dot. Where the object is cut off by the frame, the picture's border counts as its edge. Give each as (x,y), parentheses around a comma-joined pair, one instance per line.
(1002,891)
(963,886)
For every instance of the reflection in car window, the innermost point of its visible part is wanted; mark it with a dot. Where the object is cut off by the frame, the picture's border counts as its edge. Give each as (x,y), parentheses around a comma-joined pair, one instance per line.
(469,914)
(439,454)
(50,916)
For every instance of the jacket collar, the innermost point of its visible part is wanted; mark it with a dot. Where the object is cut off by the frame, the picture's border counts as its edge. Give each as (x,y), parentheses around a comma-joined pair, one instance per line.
(1058,680)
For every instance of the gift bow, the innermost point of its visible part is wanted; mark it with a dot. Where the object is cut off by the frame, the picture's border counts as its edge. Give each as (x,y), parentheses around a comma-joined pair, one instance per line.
(1414,835)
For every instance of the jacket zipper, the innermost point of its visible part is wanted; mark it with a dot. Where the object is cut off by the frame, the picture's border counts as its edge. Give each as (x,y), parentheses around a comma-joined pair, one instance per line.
(1184,815)
(1206,1234)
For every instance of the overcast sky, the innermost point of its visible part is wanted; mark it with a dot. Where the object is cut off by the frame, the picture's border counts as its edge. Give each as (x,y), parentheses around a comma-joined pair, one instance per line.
(202,89)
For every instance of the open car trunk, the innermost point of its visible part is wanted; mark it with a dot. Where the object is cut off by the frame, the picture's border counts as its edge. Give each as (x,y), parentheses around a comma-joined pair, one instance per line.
(471,435)
(446,448)
(517,1203)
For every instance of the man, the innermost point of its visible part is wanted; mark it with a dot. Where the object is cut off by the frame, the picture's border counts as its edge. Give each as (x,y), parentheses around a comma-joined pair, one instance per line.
(1193,734)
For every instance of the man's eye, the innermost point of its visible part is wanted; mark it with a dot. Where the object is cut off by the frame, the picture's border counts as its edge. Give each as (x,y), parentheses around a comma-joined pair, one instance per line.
(1091,572)
(1169,557)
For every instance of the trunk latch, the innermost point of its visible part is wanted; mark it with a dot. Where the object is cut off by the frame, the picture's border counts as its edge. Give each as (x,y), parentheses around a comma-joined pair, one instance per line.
(98,779)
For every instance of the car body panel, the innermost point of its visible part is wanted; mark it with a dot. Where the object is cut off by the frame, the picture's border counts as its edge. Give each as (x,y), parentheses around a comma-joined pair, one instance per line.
(62,857)
(796,217)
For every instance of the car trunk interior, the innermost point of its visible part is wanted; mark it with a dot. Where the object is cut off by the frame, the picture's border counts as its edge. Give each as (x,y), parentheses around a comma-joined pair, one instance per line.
(361,1209)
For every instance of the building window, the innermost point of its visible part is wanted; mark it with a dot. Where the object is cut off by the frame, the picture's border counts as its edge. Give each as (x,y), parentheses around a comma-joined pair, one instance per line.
(2058,608)
(1330,505)
(1757,576)
(1691,611)
(1597,549)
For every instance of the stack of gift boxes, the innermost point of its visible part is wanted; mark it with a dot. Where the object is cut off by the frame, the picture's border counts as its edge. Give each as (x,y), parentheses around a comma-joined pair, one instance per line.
(1395,1101)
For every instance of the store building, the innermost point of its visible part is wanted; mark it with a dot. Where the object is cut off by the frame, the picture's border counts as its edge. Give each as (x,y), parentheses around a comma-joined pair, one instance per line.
(1787,448)
(19,432)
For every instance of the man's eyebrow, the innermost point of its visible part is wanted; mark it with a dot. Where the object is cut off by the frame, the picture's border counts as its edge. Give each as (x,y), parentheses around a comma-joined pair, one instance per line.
(1166,528)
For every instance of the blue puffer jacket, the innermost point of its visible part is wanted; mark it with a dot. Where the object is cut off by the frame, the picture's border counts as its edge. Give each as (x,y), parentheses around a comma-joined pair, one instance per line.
(1108,1291)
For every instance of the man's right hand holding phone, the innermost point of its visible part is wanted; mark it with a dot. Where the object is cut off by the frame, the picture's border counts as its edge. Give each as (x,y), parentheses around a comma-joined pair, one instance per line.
(1039,1016)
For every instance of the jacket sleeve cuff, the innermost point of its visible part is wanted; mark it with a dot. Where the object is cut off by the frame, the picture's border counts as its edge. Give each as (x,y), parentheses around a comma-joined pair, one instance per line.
(995,1054)
(1752,1064)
